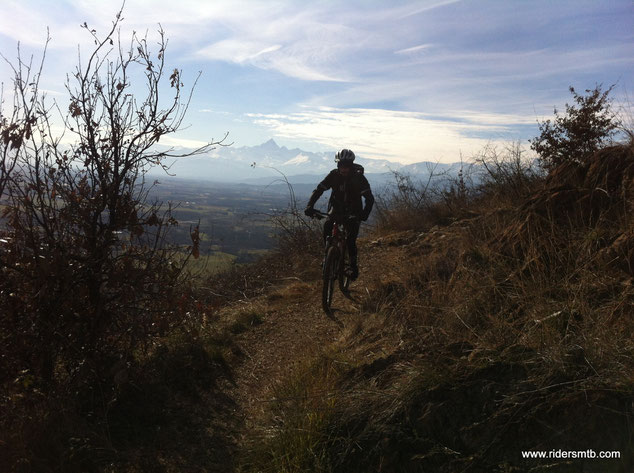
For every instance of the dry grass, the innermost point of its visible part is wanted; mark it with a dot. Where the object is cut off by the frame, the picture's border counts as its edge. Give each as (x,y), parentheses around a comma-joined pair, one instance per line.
(166,411)
(505,330)
(501,324)
(289,291)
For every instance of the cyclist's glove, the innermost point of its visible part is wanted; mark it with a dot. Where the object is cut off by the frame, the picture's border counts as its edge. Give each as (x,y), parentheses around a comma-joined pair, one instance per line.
(309,211)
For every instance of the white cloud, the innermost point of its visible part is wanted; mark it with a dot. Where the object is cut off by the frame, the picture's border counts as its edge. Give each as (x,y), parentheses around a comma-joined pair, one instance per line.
(413,49)
(429,5)
(295,39)
(234,50)
(298,42)
(405,137)
(209,110)
(170,141)
(52,92)
(492,68)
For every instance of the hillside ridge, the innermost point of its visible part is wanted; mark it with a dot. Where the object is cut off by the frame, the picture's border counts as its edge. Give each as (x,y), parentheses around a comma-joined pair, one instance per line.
(497,331)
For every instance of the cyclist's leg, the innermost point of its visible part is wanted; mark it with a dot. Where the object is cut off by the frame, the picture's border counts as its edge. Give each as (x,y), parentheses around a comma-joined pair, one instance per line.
(327,229)
(353,232)
(327,232)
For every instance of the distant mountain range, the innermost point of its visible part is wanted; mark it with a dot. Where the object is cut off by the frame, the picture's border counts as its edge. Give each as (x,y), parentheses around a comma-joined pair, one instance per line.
(265,163)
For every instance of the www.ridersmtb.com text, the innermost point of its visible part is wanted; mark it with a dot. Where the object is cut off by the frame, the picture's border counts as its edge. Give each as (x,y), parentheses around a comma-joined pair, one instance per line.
(571,454)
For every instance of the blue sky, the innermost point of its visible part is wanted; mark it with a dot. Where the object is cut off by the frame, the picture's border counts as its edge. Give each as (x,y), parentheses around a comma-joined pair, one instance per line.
(403,80)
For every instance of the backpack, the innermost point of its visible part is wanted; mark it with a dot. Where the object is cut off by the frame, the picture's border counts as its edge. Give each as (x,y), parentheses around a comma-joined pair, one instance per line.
(357,169)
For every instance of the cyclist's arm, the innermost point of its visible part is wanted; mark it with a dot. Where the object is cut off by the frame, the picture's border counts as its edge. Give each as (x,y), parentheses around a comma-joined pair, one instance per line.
(319,190)
(366,193)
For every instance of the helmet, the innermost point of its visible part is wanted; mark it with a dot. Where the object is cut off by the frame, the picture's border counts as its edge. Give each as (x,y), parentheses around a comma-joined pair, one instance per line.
(344,157)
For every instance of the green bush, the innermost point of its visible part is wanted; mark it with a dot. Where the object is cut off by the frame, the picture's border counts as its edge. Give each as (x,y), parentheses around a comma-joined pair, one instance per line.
(586,127)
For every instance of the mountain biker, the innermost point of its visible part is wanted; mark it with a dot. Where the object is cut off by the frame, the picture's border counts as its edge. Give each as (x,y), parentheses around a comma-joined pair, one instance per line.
(348,185)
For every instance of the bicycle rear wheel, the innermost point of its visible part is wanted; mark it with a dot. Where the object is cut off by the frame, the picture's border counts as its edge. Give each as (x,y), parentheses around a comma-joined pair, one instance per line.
(330,273)
(344,272)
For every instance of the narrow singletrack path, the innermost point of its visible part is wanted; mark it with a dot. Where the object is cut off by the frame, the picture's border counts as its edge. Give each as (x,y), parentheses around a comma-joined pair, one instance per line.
(293,328)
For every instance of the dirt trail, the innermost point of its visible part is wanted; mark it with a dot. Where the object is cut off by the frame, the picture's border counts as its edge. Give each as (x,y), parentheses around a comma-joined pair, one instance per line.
(293,327)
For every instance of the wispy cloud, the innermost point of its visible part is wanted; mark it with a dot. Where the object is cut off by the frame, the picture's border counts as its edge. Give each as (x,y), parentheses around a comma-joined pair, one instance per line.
(399,79)
(405,137)
(219,112)
(429,5)
(175,142)
(237,51)
(299,43)
(413,49)
(274,57)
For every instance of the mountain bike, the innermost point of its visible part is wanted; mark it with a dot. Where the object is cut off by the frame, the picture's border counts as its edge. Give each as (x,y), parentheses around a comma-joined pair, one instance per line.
(336,264)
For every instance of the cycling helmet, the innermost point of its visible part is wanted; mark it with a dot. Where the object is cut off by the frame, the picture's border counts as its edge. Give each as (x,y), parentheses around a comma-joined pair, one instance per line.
(345,157)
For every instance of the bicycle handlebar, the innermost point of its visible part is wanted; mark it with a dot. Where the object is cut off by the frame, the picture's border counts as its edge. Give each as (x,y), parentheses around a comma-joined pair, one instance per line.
(318,214)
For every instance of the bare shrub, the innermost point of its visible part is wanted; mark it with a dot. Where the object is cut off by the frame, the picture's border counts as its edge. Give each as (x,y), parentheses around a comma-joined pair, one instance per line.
(409,204)
(88,274)
(506,174)
(17,128)
(298,249)
(298,237)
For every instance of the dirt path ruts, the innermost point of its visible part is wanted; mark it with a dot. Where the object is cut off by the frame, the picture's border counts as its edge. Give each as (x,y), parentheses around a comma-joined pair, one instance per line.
(293,328)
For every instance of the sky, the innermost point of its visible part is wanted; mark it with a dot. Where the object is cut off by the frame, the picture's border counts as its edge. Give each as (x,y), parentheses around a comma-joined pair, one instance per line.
(406,81)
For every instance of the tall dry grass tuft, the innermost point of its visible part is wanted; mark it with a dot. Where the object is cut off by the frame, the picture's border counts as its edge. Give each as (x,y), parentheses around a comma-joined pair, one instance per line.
(301,410)
(410,204)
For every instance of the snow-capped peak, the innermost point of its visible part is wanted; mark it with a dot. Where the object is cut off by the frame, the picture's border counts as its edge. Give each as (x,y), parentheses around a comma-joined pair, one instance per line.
(299,159)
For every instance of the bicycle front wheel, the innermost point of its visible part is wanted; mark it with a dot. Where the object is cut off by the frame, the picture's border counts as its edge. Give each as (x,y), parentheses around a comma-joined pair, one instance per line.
(330,273)
(344,272)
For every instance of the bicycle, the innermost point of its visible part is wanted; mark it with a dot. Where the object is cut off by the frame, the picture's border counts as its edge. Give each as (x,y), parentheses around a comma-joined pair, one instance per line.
(336,260)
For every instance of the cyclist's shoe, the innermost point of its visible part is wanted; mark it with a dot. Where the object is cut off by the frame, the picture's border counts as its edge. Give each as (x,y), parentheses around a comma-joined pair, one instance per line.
(354,273)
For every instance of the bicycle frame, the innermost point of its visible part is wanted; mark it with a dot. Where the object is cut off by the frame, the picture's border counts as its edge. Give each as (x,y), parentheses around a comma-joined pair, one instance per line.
(338,236)
(335,265)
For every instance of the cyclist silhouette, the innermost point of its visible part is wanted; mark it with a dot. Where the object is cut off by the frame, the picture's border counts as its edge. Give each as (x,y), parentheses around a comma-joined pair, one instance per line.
(348,185)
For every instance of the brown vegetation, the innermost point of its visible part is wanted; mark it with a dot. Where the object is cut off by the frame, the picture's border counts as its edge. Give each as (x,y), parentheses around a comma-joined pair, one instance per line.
(507,329)
(90,286)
